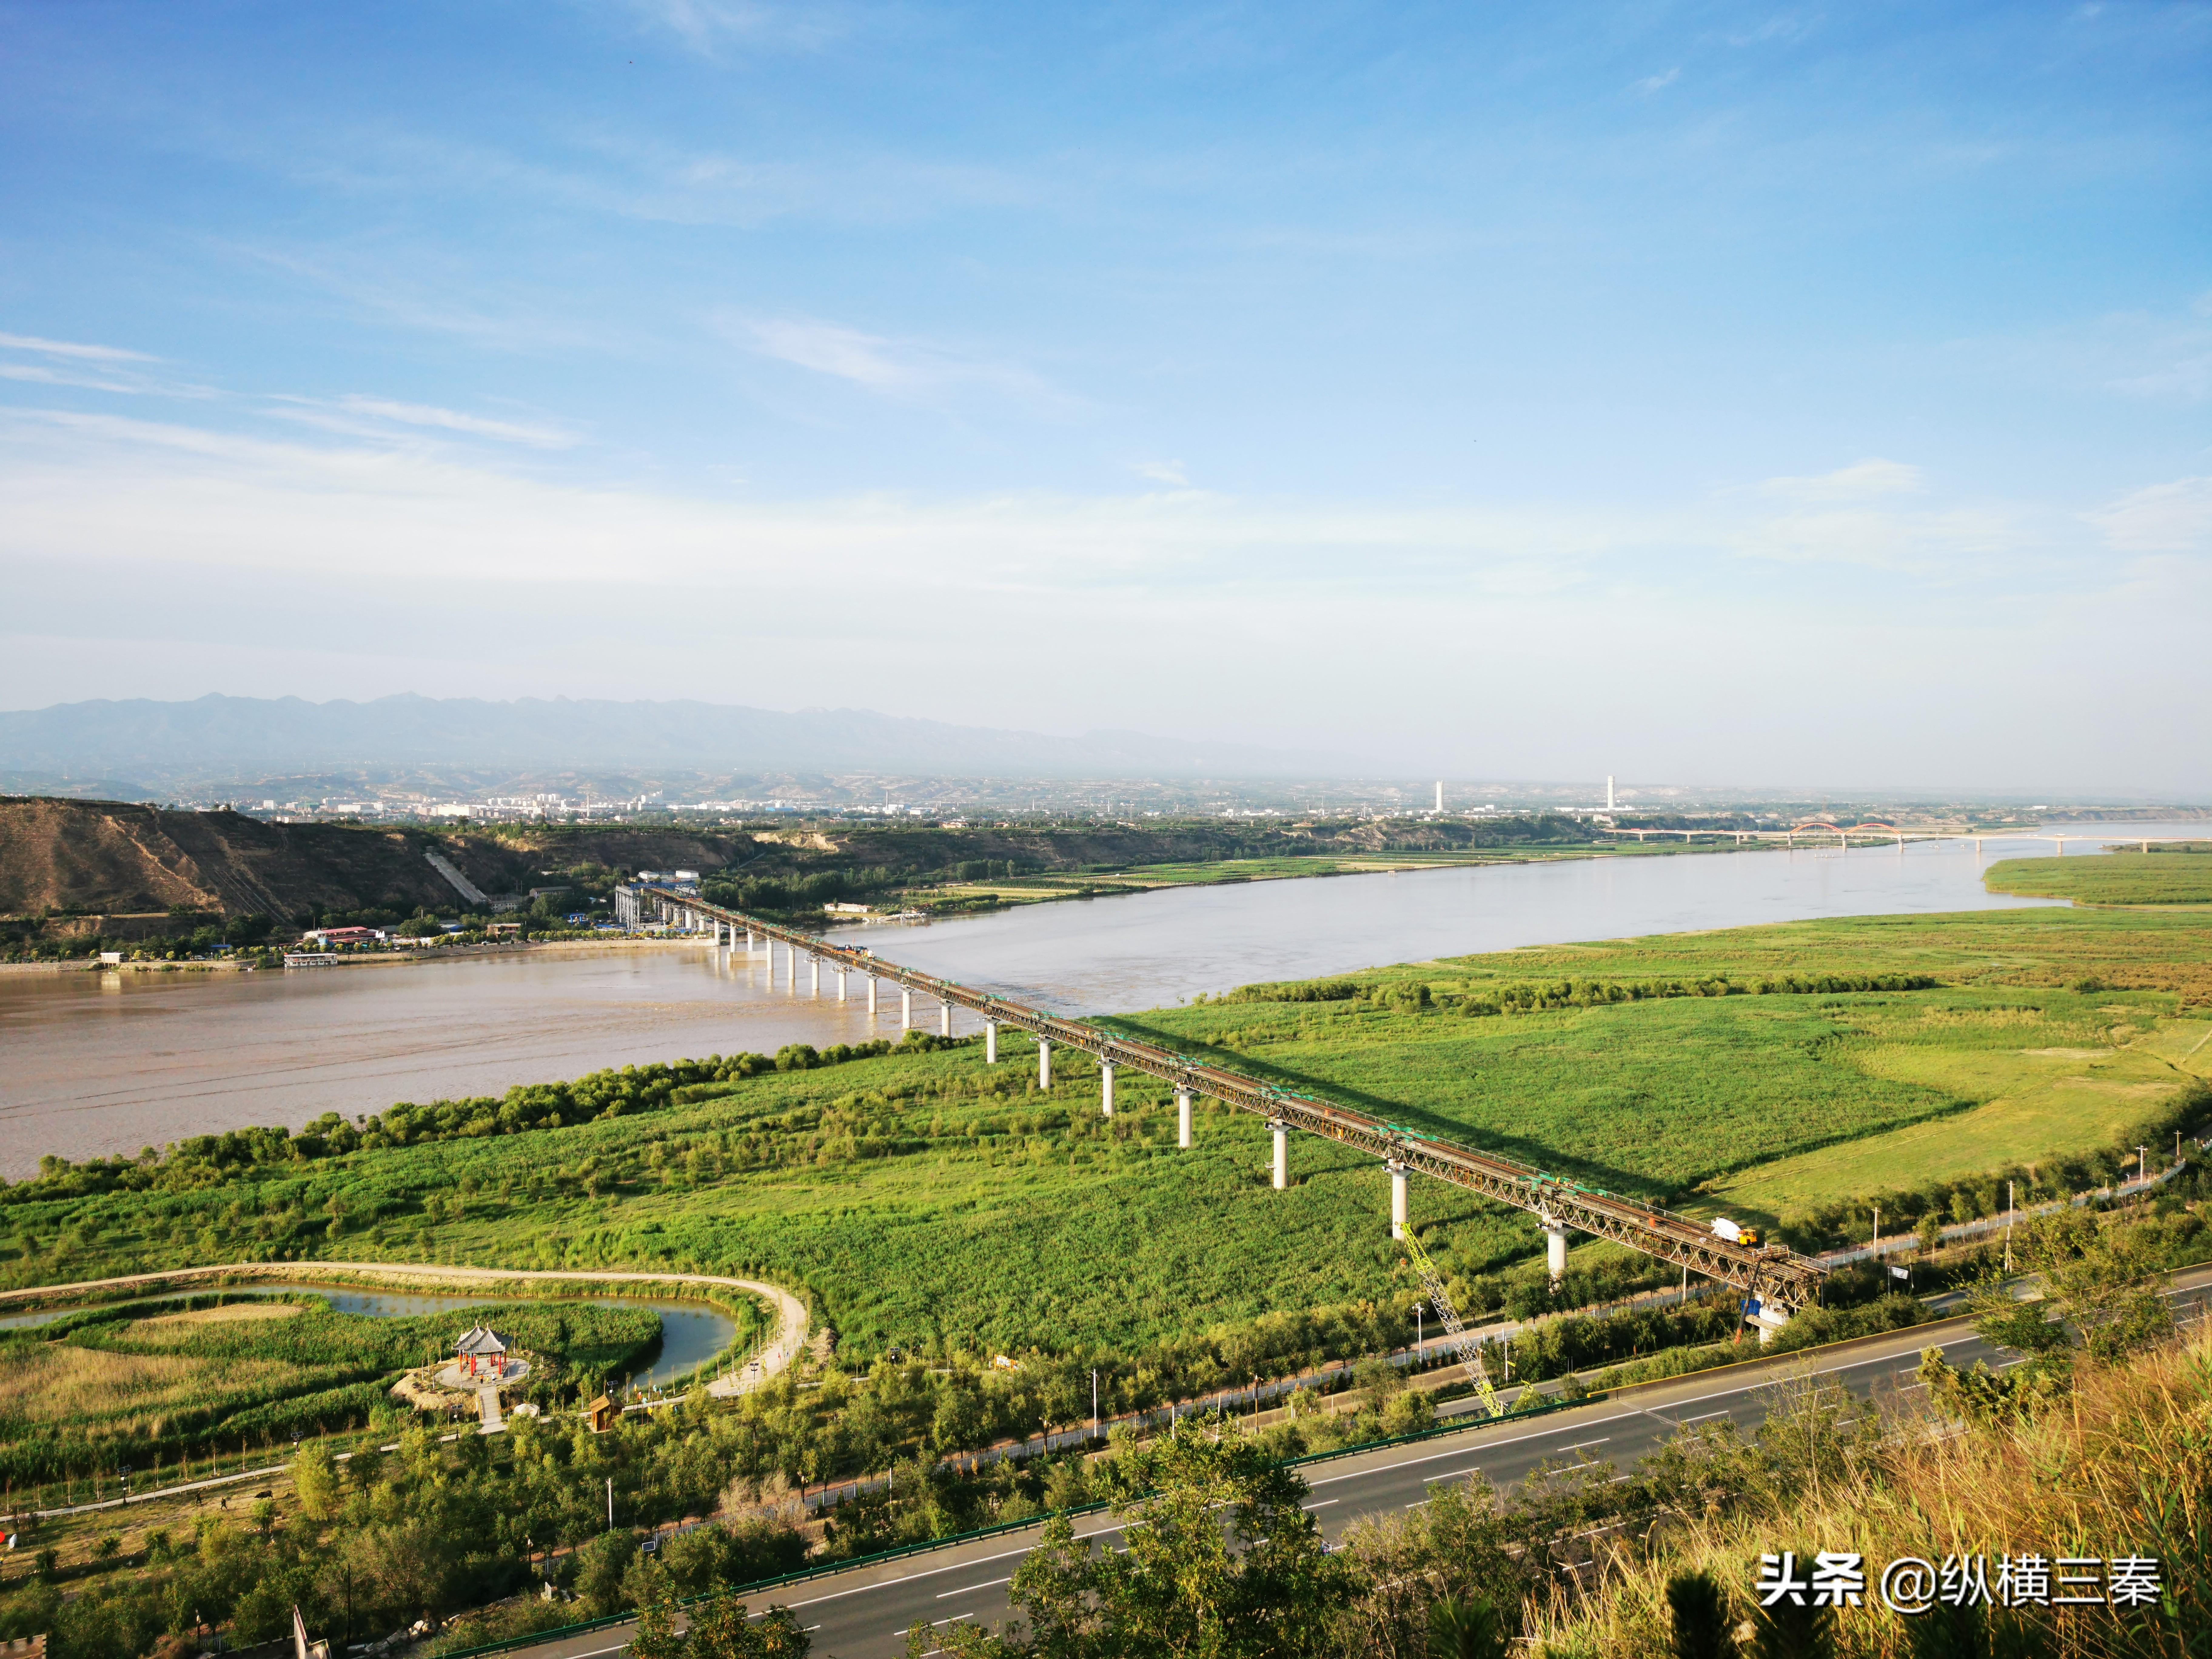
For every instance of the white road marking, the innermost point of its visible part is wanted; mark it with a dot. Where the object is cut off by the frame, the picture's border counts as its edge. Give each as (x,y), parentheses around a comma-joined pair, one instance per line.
(1008,1579)
(955,1566)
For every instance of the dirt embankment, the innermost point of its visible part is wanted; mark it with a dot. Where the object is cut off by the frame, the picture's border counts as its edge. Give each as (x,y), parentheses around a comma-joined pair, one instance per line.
(114,860)
(109,858)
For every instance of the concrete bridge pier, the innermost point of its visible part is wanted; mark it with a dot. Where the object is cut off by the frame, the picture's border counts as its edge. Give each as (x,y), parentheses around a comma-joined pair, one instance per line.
(1105,1088)
(945,1019)
(906,1008)
(872,996)
(842,972)
(1044,1064)
(1555,1247)
(790,968)
(814,970)
(749,946)
(990,1043)
(1281,1131)
(1182,1118)
(1397,1198)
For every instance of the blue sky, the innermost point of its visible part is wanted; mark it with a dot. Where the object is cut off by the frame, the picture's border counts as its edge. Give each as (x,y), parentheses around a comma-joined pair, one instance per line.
(1705,392)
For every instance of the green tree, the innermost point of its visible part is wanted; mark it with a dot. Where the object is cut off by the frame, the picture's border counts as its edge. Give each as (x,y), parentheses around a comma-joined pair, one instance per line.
(656,1636)
(1220,1560)
(960,1420)
(720,1629)
(315,1478)
(601,1565)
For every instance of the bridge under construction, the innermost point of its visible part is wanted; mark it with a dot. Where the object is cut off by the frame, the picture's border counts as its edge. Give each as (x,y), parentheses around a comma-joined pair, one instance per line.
(1775,1281)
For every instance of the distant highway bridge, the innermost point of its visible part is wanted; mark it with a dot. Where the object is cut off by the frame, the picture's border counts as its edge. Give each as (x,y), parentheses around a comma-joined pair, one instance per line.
(1878,830)
(1781,1281)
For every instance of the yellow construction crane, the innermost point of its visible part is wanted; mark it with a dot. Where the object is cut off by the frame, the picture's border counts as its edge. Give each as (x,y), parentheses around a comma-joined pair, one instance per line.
(1469,1349)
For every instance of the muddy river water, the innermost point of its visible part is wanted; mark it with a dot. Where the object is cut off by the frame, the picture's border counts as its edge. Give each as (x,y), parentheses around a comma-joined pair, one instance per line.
(95,1063)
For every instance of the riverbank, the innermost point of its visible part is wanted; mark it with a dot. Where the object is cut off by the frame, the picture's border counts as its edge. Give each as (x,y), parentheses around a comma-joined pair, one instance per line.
(934,1202)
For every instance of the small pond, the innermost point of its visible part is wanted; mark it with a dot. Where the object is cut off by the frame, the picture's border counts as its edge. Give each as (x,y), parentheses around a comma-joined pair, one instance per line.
(692,1333)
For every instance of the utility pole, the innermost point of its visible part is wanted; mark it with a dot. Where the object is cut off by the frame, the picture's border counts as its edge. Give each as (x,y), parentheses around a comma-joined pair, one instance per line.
(1877,1232)
(2012,1206)
(2142,1163)
(610,1502)
(1094,1404)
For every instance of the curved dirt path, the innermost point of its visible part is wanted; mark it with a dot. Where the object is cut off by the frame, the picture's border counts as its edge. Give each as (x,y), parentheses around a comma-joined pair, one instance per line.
(782,1347)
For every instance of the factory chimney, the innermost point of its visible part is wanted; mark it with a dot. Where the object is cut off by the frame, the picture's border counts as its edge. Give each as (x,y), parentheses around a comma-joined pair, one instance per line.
(1440,794)
(1608,792)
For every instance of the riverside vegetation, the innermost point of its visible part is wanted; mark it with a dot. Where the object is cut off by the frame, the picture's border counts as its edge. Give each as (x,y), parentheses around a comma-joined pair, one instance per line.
(923,1201)
(2174,873)
(2097,1446)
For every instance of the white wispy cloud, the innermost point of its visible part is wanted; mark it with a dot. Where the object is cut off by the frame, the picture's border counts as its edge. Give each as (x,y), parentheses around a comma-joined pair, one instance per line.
(1456,605)
(450,420)
(1872,479)
(103,353)
(39,375)
(2167,518)
(705,26)
(1166,472)
(1656,82)
(913,370)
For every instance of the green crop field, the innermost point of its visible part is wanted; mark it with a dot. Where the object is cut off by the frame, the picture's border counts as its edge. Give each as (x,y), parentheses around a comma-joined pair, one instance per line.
(2169,875)
(926,1201)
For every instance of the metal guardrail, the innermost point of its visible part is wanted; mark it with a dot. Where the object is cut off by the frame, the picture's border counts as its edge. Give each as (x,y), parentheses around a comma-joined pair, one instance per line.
(1774,1273)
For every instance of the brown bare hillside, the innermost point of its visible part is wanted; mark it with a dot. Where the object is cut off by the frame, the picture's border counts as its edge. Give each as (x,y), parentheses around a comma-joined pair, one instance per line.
(107,856)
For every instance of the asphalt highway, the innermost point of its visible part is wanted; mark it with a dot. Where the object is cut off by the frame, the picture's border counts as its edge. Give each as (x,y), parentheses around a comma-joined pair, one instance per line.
(865,1614)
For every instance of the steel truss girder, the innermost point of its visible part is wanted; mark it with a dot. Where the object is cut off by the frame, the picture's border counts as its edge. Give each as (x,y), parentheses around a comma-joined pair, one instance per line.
(1775,1274)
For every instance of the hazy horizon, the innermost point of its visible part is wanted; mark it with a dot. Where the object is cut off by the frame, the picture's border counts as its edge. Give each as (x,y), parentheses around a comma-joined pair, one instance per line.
(408,741)
(1697,391)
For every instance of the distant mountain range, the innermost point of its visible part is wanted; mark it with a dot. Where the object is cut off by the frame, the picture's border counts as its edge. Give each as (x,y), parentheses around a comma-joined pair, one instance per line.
(214,738)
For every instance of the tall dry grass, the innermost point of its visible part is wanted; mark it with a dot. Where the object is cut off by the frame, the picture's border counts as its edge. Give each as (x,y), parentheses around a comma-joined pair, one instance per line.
(2122,1467)
(56,1383)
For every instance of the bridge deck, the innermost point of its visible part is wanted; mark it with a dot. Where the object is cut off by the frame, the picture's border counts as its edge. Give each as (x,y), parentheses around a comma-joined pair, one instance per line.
(1775,1274)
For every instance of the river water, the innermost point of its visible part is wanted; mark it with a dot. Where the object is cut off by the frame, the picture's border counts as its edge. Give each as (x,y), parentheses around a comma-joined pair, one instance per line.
(95,1064)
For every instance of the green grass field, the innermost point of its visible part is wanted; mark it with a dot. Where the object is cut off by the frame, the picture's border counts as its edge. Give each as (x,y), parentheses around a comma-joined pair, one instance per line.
(925,1200)
(2167,876)
(1143,878)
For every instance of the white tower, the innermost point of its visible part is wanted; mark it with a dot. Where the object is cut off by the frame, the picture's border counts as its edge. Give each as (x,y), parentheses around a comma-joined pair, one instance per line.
(1440,795)
(1608,792)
